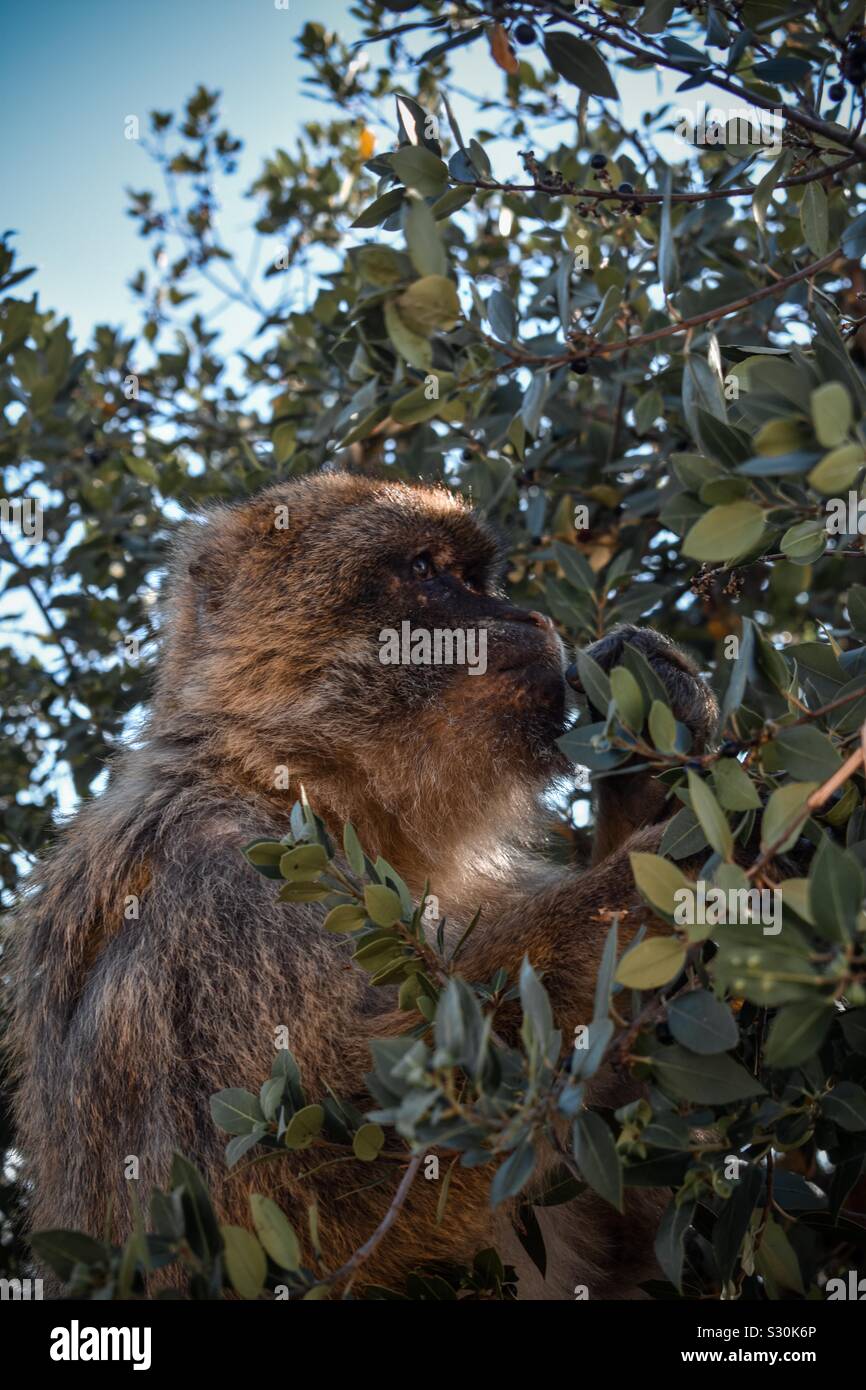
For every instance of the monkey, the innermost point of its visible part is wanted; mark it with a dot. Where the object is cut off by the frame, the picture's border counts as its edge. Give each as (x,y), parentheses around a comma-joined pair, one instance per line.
(125,1022)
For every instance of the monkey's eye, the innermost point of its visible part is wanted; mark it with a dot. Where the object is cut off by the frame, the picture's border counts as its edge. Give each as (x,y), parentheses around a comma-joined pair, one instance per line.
(422,566)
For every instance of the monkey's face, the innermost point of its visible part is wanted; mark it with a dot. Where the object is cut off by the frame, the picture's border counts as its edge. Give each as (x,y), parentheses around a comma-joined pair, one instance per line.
(364,623)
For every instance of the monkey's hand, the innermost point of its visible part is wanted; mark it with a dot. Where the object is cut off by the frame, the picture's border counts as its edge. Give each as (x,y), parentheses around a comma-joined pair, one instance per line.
(692,701)
(626,801)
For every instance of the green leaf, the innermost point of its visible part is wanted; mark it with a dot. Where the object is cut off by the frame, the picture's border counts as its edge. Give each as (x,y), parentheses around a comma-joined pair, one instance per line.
(724,533)
(836,890)
(451,201)
(63,1250)
(383,905)
(380,209)
(275,1232)
(235,1110)
(580,63)
(670,1238)
(501,316)
(652,963)
(706,1079)
(683,835)
(597,1158)
(627,697)
(669,271)
(421,169)
(352,849)
(845,1105)
(595,682)
(702,1023)
(265,853)
(814,217)
(775,1258)
(604,979)
(766,187)
(856,603)
(797,1032)
(662,727)
(853,1023)
(345,918)
(367,1143)
(245,1261)
(734,787)
(659,881)
(832,412)
(411,346)
(429,304)
(838,470)
(513,1174)
(304,1126)
(805,542)
(783,809)
(303,862)
(714,822)
(423,239)
(806,753)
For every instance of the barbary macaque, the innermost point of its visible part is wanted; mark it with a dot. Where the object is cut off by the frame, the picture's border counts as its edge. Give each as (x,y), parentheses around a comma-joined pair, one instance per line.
(124,1025)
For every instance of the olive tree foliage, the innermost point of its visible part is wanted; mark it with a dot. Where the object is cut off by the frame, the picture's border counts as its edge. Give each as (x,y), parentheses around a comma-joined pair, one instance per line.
(649,375)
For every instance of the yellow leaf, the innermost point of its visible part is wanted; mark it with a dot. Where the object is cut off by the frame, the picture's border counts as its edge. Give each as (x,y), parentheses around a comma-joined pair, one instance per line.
(366,143)
(503,53)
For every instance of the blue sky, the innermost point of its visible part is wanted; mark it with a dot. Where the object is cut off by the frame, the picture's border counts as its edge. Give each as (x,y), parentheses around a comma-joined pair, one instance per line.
(70,75)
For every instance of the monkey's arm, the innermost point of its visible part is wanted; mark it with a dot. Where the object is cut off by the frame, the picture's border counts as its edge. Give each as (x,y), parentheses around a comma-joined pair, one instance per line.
(626,801)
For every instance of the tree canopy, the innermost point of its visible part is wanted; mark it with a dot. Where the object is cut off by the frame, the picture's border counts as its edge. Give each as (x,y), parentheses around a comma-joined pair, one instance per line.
(647,371)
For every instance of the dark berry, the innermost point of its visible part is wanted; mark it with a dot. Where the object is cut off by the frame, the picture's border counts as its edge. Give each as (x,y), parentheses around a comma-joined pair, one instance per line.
(580,365)
(598,161)
(837,91)
(858,49)
(625,188)
(663,1033)
(636,209)
(524,33)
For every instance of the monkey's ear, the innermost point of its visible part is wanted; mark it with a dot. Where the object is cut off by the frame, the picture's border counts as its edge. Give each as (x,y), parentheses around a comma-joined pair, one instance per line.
(203,563)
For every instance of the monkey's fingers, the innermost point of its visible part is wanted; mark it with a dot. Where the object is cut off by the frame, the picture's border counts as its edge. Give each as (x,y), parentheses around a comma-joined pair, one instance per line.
(691,699)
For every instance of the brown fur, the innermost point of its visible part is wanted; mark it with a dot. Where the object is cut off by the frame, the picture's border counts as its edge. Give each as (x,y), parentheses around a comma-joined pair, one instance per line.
(123,1028)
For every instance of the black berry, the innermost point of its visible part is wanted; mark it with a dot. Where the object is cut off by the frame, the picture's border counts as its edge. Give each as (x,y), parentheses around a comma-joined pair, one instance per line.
(598,161)
(580,365)
(837,91)
(625,188)
(636,209)
(663,1033)
(524,33)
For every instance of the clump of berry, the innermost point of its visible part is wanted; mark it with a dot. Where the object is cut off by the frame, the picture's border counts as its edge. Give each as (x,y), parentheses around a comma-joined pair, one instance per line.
(598,161)
(853,61)
(580,365)
(523,32)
